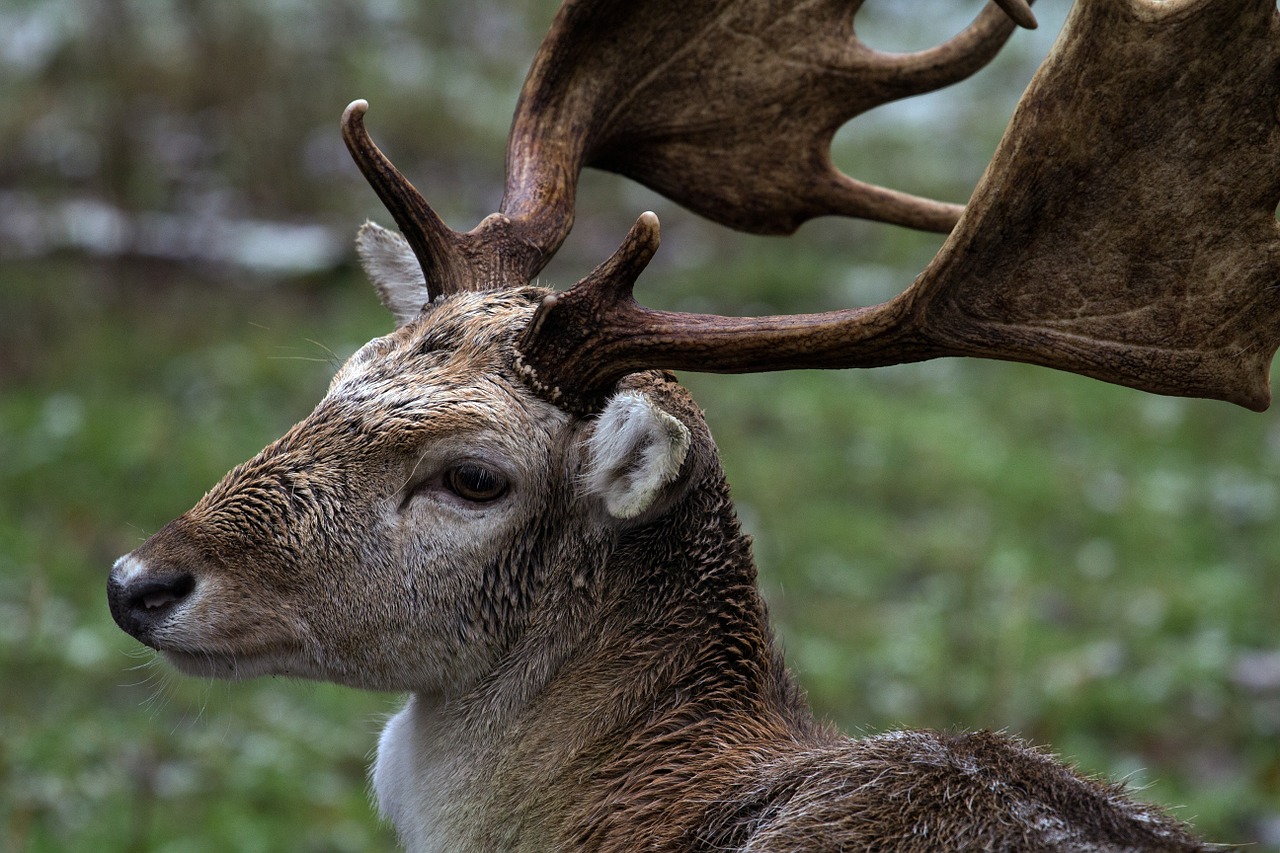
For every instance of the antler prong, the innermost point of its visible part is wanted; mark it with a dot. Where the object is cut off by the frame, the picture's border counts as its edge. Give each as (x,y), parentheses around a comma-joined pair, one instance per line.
(617,276)
(601,300)
(424,230)
(1019,12)
(846,196)
(905,74)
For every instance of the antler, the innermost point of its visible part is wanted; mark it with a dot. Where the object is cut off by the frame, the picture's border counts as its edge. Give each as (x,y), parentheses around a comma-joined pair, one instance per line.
(1125,229)
(496,252)
(681,108)
(657,92)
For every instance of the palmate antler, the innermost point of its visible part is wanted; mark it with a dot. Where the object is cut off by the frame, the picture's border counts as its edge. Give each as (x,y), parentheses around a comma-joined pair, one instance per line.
(675,95)
(1125,228)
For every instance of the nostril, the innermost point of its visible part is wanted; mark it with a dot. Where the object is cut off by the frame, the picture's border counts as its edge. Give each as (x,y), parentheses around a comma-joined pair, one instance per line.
(141,597)
(156,600)
(158,593)
(155,594)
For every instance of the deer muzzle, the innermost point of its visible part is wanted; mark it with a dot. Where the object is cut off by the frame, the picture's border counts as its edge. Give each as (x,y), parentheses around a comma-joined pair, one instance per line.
(142,597)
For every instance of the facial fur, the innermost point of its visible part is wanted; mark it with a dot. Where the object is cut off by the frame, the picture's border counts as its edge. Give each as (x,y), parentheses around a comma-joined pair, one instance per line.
(342,551)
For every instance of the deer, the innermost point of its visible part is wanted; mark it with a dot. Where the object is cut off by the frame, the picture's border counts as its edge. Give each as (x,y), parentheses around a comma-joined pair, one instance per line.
(510,509)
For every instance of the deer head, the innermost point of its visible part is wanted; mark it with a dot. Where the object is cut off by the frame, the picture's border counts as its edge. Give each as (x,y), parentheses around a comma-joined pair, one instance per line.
(387,540)
(410,529)
(508,479)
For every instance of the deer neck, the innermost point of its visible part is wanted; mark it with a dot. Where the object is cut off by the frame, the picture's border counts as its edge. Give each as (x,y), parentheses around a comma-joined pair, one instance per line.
(676,636)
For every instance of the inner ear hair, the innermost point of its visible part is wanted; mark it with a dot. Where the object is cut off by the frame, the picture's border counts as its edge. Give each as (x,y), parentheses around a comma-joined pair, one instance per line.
(636,450)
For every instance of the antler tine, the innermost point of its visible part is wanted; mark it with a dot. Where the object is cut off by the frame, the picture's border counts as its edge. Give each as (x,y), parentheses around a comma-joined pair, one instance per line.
(1068,259)
(431,240)
(502,251)
(901,75)
(602,299)
(1019,12)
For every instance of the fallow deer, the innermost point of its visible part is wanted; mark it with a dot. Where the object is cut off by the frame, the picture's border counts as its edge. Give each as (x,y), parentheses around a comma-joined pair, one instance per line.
(509,510)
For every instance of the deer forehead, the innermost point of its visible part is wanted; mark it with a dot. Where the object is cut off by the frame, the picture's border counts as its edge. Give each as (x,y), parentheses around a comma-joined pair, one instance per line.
(438,388)
(454,362)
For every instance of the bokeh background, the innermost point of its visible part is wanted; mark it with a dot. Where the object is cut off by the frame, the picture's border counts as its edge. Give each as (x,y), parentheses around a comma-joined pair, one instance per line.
(950,544)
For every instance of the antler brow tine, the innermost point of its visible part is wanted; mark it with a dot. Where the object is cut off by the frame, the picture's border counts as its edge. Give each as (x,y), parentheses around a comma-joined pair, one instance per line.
(568,321)
(424,230)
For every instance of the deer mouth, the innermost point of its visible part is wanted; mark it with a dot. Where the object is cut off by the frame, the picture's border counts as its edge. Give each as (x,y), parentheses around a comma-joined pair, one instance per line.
(233,666)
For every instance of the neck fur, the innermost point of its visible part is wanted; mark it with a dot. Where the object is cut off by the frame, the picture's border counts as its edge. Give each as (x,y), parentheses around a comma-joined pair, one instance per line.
(560,746)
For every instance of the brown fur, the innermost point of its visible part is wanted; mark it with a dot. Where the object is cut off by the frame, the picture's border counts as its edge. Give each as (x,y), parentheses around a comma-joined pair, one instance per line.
(580,682)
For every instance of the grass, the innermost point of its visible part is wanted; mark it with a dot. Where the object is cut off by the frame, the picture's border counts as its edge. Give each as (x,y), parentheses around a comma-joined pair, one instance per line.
(953,544)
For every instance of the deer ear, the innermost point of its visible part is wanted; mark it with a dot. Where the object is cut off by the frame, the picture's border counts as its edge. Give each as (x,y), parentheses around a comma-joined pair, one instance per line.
(394,271)
(636,450)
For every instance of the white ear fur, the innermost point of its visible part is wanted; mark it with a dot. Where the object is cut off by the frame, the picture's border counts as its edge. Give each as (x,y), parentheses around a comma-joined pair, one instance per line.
(393,269)
(636,449)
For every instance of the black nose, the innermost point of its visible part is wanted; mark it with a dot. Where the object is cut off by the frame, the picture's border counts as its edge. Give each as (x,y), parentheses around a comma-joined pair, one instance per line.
(140,604)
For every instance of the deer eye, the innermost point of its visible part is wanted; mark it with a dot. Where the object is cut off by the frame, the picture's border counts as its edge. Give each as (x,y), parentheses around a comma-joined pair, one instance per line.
(476,483)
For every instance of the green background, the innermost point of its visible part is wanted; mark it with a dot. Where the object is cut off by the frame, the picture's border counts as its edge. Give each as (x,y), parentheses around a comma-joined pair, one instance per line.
(953,544)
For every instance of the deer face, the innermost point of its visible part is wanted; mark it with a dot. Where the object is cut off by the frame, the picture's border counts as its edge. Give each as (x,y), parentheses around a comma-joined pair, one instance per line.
(400,536)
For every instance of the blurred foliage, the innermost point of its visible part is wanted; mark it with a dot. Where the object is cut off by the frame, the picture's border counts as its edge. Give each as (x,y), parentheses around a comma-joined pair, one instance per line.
(948,544)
